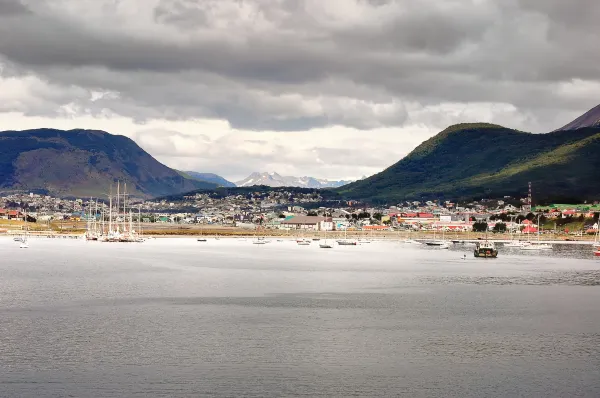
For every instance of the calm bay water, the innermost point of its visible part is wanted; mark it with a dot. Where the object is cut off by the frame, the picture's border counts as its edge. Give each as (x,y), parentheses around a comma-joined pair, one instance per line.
(179,318)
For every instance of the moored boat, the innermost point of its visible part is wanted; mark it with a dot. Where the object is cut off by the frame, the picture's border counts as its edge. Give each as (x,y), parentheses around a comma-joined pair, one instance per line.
(485,249)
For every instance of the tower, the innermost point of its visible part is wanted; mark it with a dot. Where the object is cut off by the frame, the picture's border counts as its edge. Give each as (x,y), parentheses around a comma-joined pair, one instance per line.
(529,201)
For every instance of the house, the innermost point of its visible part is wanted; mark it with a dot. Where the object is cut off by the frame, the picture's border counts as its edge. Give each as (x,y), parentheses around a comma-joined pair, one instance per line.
(315,223)
(3,214)
(15,215)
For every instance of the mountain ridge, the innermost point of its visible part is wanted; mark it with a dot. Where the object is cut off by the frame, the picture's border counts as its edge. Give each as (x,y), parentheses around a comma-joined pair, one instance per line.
(480,160)
(273,179)
(83,162)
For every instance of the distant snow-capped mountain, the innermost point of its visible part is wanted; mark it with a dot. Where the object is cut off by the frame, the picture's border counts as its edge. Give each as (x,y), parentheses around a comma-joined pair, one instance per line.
(276,180)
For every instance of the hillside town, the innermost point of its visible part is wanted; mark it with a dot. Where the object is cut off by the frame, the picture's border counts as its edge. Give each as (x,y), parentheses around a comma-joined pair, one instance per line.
(288,210)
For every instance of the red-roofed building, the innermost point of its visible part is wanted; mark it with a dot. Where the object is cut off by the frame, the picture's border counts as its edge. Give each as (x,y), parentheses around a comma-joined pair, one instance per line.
(426,215)
(530,230)
(3,214)
(14,215)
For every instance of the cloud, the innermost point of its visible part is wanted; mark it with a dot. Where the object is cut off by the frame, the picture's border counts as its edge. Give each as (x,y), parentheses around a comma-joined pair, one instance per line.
(284,68)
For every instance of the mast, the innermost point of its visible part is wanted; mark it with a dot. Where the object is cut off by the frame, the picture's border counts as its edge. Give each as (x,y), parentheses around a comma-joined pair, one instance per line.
(110,226)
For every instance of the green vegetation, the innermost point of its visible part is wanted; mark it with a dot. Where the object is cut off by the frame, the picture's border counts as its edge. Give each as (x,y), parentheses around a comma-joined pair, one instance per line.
(474,161)
(84,163)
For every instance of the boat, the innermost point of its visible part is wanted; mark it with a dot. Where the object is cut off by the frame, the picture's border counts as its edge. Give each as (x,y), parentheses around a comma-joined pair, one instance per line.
(346,241)
(303,242)
(536,246)
(514,243)
(202,240)
(485,249)
(411,242)
(24,245)
(440,244)
(316,239)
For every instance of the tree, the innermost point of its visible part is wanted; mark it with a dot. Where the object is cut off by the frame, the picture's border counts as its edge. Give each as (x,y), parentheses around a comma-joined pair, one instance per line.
(530,216)
(377,216)
(480,226)
(282,215)
(312,213)
(500,227)
(364,214)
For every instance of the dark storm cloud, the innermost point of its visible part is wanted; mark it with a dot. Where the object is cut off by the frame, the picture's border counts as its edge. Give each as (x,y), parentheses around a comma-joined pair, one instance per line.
(295,65)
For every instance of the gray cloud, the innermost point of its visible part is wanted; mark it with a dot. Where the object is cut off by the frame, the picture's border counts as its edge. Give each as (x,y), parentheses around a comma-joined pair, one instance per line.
(299,64)
(10,8)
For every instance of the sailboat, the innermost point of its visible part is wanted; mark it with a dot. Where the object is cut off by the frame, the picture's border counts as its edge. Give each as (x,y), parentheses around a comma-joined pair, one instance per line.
(440,244)
(24,244)
(536,246)
(346,241)
(325,244)
(597,241)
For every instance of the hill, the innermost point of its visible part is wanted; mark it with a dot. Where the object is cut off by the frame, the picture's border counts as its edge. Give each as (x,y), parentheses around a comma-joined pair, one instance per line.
(84,163)
(470,161)
(210,177)
(276,180)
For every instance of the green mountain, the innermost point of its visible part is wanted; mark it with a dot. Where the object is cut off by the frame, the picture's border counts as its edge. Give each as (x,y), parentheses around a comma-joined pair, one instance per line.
(84,163)
(470,161)
(210,177)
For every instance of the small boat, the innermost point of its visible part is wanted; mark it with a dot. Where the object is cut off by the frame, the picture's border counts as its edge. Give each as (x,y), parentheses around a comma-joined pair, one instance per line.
(18,239)
(23,245)
(347,242)
(202,240)
(514,243)
(303,242)
(438,243)
(485,249)
(411,242)
(325,245)
(316,239)
(536,246)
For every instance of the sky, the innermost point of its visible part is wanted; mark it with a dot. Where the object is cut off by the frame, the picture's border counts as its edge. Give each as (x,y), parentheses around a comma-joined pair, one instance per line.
(334,89)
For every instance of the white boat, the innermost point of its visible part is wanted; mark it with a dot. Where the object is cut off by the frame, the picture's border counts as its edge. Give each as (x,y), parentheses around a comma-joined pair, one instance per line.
(24,245)
(538,245)
(514,243)
(303,242)
(411,242)
(440,244)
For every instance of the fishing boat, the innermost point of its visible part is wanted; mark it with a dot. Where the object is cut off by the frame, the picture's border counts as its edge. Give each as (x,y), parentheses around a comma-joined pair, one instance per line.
(485,249)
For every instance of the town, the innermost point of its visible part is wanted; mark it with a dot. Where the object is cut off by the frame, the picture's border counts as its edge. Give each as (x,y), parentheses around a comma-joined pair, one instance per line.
(284,209)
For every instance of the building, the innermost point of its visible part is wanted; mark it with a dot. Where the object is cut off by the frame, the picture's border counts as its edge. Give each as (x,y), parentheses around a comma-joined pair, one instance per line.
(314,223)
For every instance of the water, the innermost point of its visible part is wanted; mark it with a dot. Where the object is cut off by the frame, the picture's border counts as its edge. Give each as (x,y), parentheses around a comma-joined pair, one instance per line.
(179,318)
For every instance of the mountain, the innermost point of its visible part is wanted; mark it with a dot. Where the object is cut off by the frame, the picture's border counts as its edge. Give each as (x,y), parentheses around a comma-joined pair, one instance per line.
(470,161)
(210,177)
(276,180)
(84,163)
(589,119)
